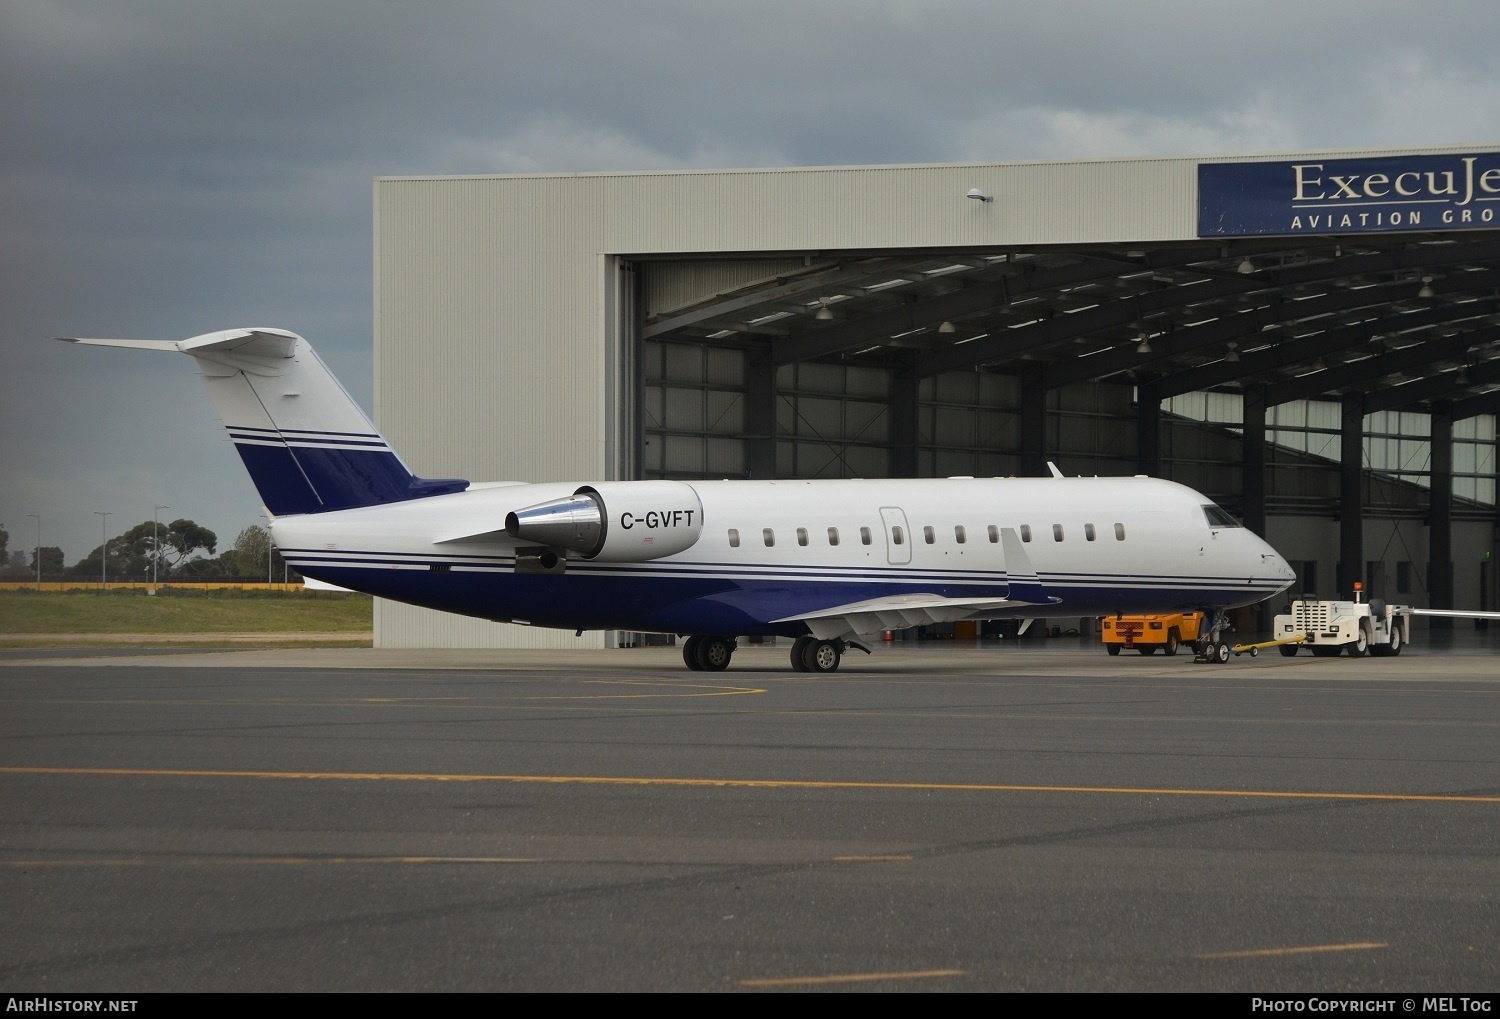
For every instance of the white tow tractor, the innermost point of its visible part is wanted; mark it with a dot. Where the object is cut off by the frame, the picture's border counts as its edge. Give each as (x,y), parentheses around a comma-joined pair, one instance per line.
(1358,627)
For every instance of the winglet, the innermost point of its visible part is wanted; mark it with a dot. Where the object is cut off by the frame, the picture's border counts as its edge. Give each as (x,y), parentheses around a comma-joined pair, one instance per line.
(1025,584)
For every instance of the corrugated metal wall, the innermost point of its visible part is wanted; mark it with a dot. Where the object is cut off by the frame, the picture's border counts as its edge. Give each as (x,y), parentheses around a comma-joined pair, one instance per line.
(673,284)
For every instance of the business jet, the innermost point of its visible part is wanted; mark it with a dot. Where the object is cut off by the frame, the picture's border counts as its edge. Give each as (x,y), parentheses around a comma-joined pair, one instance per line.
(824,562)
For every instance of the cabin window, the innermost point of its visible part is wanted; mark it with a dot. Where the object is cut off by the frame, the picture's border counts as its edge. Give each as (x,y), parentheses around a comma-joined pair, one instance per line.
(927,535)
(802,536)
(833,536)
(959,534)
(1119,532)
(1057,534)
(1025,532)
(864,535)
(769,536)
(994,534)
(898,536)
(734,537)
(1088,532)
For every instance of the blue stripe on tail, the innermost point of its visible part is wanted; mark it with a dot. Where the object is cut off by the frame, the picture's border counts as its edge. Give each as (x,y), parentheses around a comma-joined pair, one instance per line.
(315,472)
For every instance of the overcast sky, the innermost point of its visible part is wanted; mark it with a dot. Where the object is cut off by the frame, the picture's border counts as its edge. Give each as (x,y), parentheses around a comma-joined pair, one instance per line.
(172,168)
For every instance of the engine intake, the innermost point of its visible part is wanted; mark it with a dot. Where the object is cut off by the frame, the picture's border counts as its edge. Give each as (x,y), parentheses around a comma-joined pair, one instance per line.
(616,521)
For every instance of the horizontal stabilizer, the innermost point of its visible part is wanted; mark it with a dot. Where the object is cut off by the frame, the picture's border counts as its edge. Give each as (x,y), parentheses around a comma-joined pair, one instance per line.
(257,351)
(140,344)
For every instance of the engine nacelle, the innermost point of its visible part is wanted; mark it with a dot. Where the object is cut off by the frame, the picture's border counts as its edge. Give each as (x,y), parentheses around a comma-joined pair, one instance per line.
(615,521)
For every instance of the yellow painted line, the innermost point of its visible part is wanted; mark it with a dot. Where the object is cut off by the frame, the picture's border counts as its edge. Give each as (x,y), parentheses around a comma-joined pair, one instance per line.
(752,783)
(871,859)
(852,978)
(262,861)
(1357,946)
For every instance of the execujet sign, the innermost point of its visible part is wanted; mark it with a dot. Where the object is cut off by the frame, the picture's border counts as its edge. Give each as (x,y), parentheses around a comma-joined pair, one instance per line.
(1338,196)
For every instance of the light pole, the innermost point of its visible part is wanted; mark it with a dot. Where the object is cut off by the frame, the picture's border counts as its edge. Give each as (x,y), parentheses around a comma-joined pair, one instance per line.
(38,547)
(155,551)
(103,549)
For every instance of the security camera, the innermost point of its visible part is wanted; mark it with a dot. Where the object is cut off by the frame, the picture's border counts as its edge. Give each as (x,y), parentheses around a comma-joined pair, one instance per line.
(976,193)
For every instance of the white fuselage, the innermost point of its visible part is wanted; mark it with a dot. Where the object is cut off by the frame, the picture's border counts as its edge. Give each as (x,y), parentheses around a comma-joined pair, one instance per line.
(771,550)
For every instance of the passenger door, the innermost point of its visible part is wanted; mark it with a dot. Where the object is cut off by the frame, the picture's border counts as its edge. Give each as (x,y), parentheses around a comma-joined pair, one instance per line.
(897,536)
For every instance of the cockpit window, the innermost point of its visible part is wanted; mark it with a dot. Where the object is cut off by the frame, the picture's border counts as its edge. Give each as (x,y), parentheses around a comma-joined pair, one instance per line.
(1219,517)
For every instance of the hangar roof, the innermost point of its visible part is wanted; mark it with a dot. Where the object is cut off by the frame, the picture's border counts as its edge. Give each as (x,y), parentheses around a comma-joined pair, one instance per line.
(1405,319)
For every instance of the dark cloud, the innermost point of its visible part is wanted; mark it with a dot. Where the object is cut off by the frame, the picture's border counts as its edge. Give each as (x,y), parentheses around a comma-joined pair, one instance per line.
(168,168)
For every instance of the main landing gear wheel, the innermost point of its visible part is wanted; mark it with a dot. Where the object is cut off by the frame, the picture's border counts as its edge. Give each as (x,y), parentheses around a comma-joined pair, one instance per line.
(799,648)
(715,652)
(708,654)
(822,655)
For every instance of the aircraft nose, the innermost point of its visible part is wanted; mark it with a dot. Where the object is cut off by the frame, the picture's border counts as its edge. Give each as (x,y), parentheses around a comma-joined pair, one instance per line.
(1273,564)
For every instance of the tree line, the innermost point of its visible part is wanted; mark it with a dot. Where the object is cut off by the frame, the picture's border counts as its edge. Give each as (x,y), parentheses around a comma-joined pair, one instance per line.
(181,550)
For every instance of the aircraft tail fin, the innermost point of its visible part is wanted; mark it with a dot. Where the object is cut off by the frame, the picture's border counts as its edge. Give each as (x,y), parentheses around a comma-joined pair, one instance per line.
(306,443)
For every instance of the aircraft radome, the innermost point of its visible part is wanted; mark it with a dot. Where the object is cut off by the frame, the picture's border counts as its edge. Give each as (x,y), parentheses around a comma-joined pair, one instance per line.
(820,561)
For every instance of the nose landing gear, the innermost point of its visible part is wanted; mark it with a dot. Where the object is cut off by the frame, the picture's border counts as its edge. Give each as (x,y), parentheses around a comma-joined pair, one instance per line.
(1213,649)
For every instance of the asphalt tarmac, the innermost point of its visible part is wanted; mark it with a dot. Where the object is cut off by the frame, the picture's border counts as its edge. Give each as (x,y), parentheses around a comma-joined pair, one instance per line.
(1031,816)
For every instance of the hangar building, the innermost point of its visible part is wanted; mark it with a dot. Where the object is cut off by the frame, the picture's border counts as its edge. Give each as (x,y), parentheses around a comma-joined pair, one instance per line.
(1312,339)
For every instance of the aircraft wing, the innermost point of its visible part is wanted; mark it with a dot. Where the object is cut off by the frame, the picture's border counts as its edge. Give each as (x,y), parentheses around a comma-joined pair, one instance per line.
(899,611)
(919,608)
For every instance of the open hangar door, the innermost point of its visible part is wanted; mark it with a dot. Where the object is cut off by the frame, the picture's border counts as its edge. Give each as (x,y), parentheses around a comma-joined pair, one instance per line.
(1336,378)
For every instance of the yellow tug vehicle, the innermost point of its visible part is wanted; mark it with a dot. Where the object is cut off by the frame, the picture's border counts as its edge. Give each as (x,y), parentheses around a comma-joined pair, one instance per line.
(1148,634)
